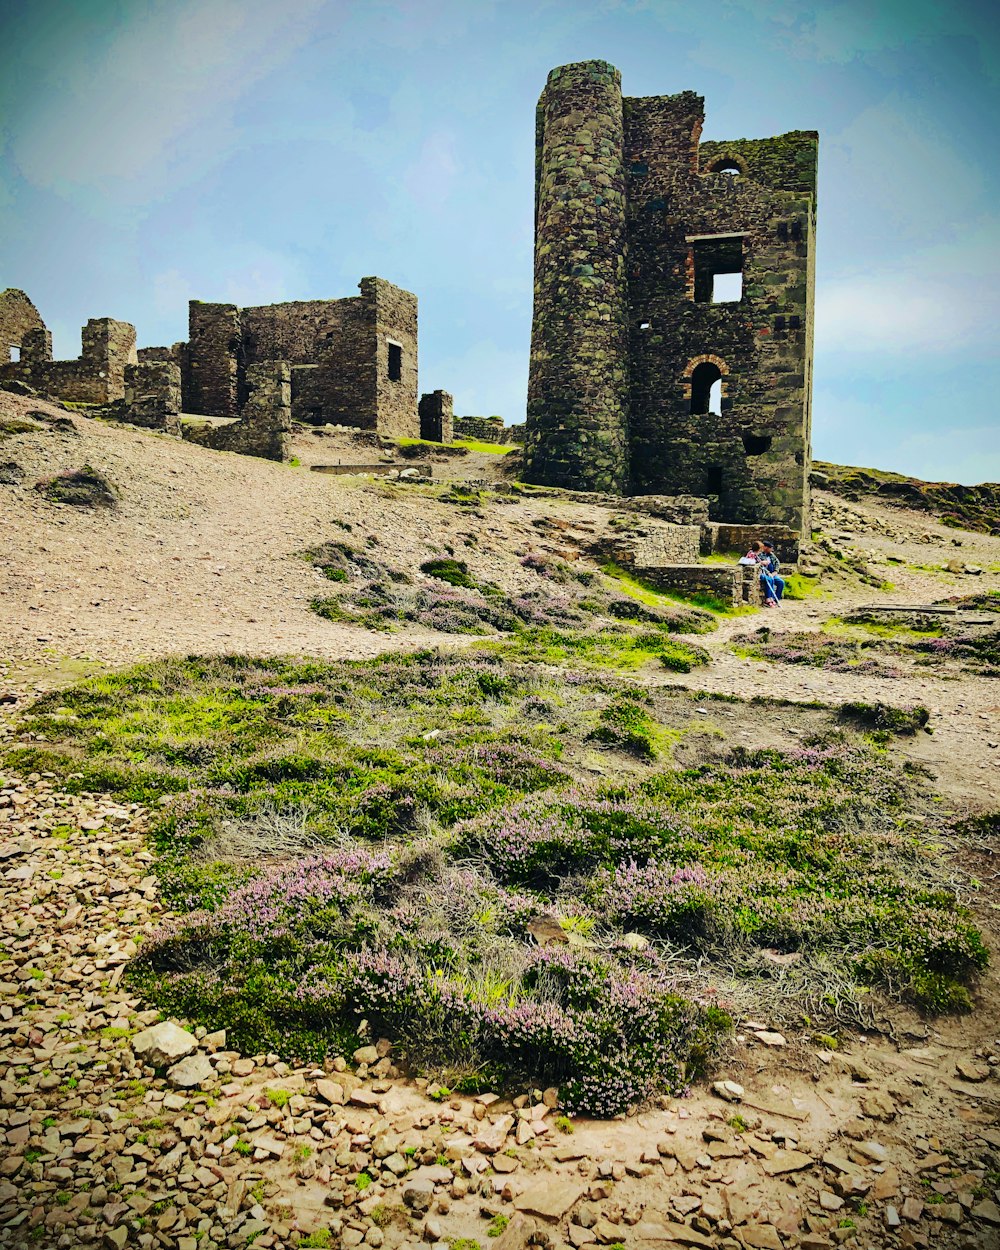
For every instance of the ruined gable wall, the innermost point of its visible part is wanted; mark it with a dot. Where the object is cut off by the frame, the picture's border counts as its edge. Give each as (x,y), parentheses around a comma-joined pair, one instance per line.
(18,315)
(752,457)
(394,314)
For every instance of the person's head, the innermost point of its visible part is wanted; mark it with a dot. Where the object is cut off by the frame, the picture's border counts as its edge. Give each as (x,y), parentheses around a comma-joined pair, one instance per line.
(756,545)
(768,545)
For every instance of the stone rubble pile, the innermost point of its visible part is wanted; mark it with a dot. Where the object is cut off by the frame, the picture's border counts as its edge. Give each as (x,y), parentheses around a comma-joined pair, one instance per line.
(119,1129)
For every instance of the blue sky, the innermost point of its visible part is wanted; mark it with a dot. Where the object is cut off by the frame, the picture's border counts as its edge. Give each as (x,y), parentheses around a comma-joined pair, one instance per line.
(153,151)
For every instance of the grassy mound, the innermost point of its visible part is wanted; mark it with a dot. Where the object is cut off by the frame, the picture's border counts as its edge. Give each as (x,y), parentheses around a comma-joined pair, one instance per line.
(874,645)
(451,599)
(963,507)
(426,843)
(83,488)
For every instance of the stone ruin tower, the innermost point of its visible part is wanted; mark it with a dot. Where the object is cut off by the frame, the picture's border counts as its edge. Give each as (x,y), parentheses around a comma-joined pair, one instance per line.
(671,348)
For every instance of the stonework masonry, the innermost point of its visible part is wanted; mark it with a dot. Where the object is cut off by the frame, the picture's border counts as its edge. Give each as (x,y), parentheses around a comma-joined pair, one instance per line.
(437,417)
(153,395)
(265,427)
(482,429)
(97,376)
(672,333)
(353,361)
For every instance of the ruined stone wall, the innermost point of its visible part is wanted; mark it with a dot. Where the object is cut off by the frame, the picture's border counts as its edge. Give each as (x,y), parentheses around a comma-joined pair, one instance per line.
(153,395)
(338,350)
(735,585)
(692,213)
(265,426)
(437,417)
(212,368)
(578,378)
(97,376)
(396,357)
(18,316)
(690,219)
(735,540)
(481,429)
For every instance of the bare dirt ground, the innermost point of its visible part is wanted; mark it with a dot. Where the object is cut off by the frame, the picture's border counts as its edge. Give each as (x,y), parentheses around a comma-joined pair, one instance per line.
(890,1141)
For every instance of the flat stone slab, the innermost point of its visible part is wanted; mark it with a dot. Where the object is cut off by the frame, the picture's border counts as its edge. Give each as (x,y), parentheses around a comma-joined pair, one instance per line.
(550,1200)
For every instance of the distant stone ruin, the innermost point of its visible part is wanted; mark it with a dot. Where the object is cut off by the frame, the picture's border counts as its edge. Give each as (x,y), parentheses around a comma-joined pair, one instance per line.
(243,374)
(673,323)
(97,376)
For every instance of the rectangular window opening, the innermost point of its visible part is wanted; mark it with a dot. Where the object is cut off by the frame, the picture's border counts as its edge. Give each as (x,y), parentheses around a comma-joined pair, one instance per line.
(713,479)
(395,362)
(718,269)
(15,354)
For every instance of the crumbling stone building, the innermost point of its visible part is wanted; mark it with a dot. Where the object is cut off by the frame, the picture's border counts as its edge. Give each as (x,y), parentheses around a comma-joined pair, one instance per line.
(673,322)
(96,376)
(353,361)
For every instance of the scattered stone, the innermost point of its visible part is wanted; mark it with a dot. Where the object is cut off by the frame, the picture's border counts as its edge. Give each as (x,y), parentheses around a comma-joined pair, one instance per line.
(783,1161)
(164,1044)
(550,1200)
(730,1091)
(195,1070)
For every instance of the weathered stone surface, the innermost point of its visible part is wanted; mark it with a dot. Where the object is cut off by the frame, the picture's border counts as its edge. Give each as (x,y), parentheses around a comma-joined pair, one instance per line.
(783,1161)
(164,1044)
(195,1070)
(550,1200)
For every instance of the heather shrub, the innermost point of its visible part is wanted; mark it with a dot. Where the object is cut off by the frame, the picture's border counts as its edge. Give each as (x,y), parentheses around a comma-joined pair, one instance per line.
(425,841)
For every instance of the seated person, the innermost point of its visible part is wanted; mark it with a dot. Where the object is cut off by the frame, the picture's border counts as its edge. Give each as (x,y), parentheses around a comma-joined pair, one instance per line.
(755,556)
(769,561)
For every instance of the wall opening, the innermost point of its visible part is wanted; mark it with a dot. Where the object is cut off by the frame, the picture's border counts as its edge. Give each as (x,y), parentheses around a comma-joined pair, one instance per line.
(706,389)
(718,269)
(726,165)
(15,354)
(713,479)
(395,362)
(756,444)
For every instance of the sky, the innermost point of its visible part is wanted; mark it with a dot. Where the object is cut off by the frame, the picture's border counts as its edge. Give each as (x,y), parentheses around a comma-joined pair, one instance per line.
(254,151)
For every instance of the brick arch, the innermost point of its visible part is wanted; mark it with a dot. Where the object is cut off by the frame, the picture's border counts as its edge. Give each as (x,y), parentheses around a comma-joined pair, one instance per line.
(708,359)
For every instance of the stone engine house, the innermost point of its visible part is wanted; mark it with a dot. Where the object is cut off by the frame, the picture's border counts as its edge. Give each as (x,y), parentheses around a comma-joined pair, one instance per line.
(353,361)
(671,347)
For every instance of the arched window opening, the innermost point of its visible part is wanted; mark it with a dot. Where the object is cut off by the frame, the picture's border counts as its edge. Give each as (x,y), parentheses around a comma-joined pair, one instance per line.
(706,389)
(726,165)
(756,444)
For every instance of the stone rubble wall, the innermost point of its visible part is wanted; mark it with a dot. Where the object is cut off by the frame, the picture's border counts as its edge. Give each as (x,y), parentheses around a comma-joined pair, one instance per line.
(736,539)
(633,217)
(437,417)
(481,429)
(578,378)
(18,315)
(736,585)
(153,395)
(265,428)
(338,351)
(96,376)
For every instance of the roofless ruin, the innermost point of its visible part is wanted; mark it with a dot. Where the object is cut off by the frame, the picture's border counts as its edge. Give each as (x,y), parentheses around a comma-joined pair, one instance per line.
(671,348)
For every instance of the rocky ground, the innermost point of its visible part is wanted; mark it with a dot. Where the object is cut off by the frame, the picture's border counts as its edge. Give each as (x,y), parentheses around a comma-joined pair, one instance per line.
(120,1131)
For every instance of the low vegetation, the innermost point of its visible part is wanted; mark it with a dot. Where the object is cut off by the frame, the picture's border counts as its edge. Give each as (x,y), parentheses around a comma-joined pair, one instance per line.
(963,507)
(83,488)
(516,872)
(880,645)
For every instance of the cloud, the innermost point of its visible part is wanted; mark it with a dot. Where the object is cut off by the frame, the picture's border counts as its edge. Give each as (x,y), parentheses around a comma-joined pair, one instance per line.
(132,112)
(892,313)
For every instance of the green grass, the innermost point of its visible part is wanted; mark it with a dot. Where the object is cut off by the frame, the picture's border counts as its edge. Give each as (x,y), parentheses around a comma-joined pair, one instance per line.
(378,838)
(470,444)
(644,592)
